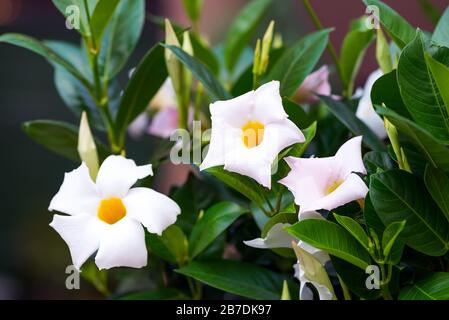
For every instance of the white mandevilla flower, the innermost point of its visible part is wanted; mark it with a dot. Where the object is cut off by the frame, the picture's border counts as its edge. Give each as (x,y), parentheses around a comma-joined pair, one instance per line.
(327,183)
(249,131)
(107,215)
(365,110)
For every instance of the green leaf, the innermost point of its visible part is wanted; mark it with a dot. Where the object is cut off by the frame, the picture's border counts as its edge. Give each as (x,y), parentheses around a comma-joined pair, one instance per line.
(102,14)
(394,24)
(383,53)
(386,91)
(193,9)
(390,235)
(354,228)
(298,61)
(296,113)
(441,33)
(433,287)
(242,29)
(283,217)
(419,92)
(214,221)
(65,6)
(171,246)
(240,278)
(435,152)
(246,186)
(148,77)
(332,238)
(56,136)
(398,195)
(344,114)
(121,36)
(352,52)
(437,183)
(204,53)
(160,294)
(440,74)
(375,160)
(201,73)
(38,47)
(372,219)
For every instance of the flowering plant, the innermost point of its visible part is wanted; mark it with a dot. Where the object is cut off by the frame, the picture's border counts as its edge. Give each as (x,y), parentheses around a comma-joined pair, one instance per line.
(293,191)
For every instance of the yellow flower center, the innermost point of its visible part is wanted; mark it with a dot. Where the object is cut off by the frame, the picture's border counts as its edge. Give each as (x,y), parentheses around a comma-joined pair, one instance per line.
(252,134)
(111,210)
(333,186)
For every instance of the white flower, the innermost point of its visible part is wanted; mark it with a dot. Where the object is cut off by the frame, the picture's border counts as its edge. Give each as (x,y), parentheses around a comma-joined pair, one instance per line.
(249,131)
(276,237)
(327,183)
(107,215)
(365,110)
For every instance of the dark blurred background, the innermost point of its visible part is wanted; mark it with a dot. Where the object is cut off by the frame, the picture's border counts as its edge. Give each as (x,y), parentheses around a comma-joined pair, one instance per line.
(32,256)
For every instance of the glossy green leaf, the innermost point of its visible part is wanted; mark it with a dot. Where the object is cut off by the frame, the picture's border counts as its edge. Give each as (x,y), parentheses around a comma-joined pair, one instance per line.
(437,183)
(354,228)
(121,36)
(390,236)
(296,113)
(419,92)
(59,137)
(440,74)
(372,219)
(386,92)
(394,24)
(171,246)
(102,14)
(432,149)
(298,61)
(211,224)
(345,115)
(240,278)
(72,9)
(332,238)
(375,160)
(352,52)
(148,77)
(242,29)
(398,195)
(433,287)
(38,47)
(202,74)
(441,33)
(244,185)
(203,53)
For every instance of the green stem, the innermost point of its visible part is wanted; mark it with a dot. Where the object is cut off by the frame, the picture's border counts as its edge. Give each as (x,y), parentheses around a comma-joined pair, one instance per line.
(279,200)
(385,281)
(330,47)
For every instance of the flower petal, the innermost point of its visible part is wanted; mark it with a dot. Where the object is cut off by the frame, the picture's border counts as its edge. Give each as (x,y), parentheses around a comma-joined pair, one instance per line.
(353,188)
(77,194)
(268,103)
(82,233)
(236,112)
(123,245)
(350,156)
(154,210)
(315,83)
(217,147)
(118,174)
(277,237)
(164,122)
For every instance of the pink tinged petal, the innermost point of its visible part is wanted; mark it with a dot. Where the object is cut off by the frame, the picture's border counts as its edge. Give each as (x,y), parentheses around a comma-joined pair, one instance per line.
(82,233)
(350,157)
(164,122)
(353,188)
(154,210)
(268,103)
(77,194)
(235,112)
(276,237)
(216,150)
(123,245)
(118,174)
(315,83)
(138,126)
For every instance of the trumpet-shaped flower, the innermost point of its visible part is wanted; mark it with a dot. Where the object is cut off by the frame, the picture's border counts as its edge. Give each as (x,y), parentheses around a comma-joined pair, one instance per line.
(249,131)
(107,215)
(327,183)
(315,83)
(365,110)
